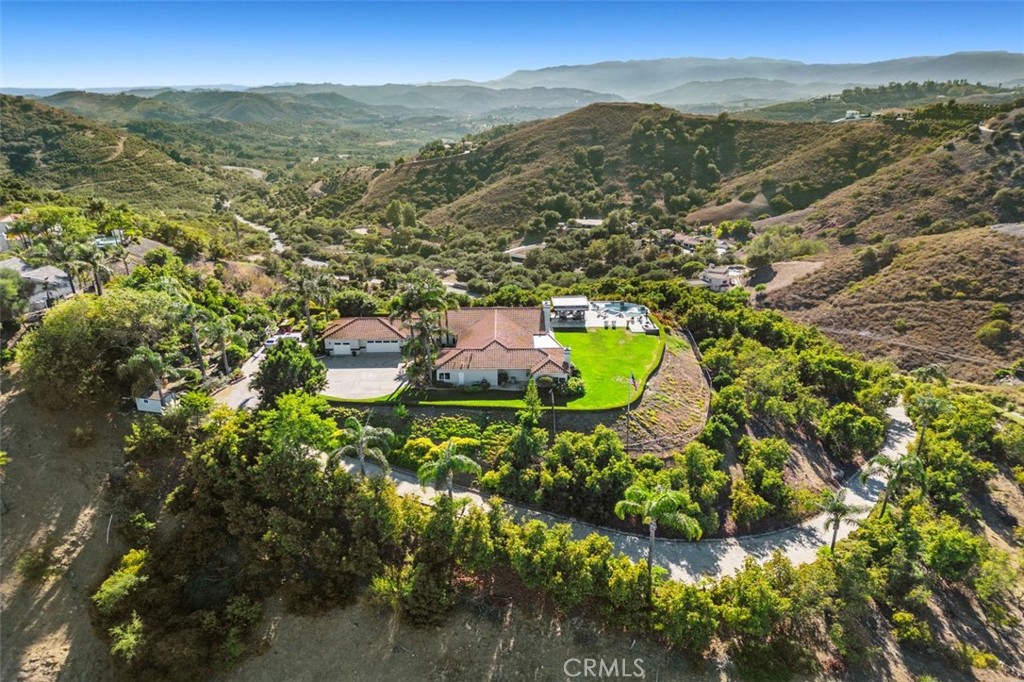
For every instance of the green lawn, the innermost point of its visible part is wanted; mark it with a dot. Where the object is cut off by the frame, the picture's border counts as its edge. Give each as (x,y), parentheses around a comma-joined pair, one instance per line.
(606,357)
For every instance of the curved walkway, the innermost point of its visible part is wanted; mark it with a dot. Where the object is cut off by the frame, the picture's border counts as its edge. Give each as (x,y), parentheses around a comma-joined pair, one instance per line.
(689,561)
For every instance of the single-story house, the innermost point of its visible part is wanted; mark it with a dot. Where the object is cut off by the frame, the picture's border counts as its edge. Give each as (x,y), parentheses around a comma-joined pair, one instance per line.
(723,277)
(518,254)
(502,346)
(354,335)
(48,284)
(152,402)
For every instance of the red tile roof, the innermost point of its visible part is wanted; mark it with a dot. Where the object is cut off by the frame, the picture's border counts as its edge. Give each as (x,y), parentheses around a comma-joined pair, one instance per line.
(364,328)
(486,338)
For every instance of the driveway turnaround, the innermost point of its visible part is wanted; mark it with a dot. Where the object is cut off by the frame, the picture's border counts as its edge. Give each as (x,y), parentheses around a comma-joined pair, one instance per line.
(364,377)
(690,561)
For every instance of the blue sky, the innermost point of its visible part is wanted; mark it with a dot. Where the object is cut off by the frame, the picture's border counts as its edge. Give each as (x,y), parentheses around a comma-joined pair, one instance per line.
(101,44)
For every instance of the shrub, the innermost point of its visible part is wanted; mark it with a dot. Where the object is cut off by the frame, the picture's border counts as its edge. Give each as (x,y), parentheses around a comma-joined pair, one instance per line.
(35,564)
(687,616)
(236,354)
(747,506)
(149,438)
(994,333)
(908,628)
(900,326)
(574,387)
(82,436)
(747,196)
(127,638)
(121,582)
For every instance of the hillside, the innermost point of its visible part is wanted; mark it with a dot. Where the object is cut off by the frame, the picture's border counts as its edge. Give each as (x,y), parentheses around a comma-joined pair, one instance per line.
(926,305)
(519,175)
(53,149)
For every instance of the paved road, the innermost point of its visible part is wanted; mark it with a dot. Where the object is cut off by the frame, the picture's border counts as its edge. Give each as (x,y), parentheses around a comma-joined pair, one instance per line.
(240,394)
(688,561)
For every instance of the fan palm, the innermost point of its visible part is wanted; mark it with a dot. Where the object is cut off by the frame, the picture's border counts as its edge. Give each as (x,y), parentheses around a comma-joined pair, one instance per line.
(896,469)
(310,286)
(222,330)
(656,506)
(189,310)
(365,441)
(92,255)
(835,506)
(448,463)
(146,367)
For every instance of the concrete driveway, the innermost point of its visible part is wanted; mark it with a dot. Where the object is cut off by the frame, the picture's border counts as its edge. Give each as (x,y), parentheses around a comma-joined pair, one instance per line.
(370,375)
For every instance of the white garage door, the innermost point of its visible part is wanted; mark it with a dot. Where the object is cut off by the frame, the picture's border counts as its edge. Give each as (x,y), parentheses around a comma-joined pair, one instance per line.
(383,347)
(334,347)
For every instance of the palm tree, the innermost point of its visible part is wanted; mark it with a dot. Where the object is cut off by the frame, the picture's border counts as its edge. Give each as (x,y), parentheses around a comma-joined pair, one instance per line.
(896,470)
(366,441)
(929,408)
(222,330)
(92,255)
(120,253)
(448,463)
(425,332)
(66,257)
(931,373)
(654,506)
(189,310)
(836,508)
(310,286)
(146,367)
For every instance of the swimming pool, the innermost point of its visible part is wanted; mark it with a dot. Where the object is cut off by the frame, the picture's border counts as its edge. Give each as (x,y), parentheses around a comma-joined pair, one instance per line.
(622,308)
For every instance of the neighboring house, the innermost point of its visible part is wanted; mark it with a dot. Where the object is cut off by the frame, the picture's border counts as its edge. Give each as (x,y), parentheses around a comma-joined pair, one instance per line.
(503,346)
(689,242)
(584,222)
(519,253)
(723,277)
(48,284)
(151,402)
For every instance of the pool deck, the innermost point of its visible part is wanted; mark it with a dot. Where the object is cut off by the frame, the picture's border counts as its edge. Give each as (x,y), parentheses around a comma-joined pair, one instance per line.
(598,319)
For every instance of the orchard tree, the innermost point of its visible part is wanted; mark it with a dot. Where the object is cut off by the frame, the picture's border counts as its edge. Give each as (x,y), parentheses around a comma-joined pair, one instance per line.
(288,366)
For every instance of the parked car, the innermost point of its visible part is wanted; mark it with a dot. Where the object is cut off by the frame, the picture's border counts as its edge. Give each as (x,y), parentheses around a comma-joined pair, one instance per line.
(273,340)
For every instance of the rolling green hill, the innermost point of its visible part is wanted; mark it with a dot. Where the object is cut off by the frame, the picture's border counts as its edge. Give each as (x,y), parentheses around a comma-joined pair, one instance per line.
(601,156)
(53,149)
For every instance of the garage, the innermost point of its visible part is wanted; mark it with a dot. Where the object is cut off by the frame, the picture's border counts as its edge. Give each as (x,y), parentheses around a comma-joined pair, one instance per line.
(383,346)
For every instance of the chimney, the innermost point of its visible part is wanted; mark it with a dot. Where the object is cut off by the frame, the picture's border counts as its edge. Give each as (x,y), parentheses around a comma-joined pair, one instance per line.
(546,314)
(567,363)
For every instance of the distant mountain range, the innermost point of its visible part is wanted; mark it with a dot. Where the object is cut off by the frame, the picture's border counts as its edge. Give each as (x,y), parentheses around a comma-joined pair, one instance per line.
(696,84)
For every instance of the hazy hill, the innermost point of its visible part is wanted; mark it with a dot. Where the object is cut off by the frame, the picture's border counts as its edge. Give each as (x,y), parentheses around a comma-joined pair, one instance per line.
(455,99)
(926,305)
(643,78)
(731,91)
(54,149)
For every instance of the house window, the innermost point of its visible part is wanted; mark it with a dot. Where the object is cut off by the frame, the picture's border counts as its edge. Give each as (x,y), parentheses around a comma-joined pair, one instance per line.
(444,376)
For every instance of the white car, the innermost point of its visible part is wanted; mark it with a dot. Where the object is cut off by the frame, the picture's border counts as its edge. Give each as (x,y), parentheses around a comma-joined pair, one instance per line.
(272,341)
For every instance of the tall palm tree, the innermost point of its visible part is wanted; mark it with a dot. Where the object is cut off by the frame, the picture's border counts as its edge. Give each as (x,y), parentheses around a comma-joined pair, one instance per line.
(929,408)
(896,469)
(119,252)
(310,286)
(146,367)
(448,463)
(838,510)
(425,332)
(189,310)
(657,506)
(66,257)
(366,441)
(93,255)
(222,330)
